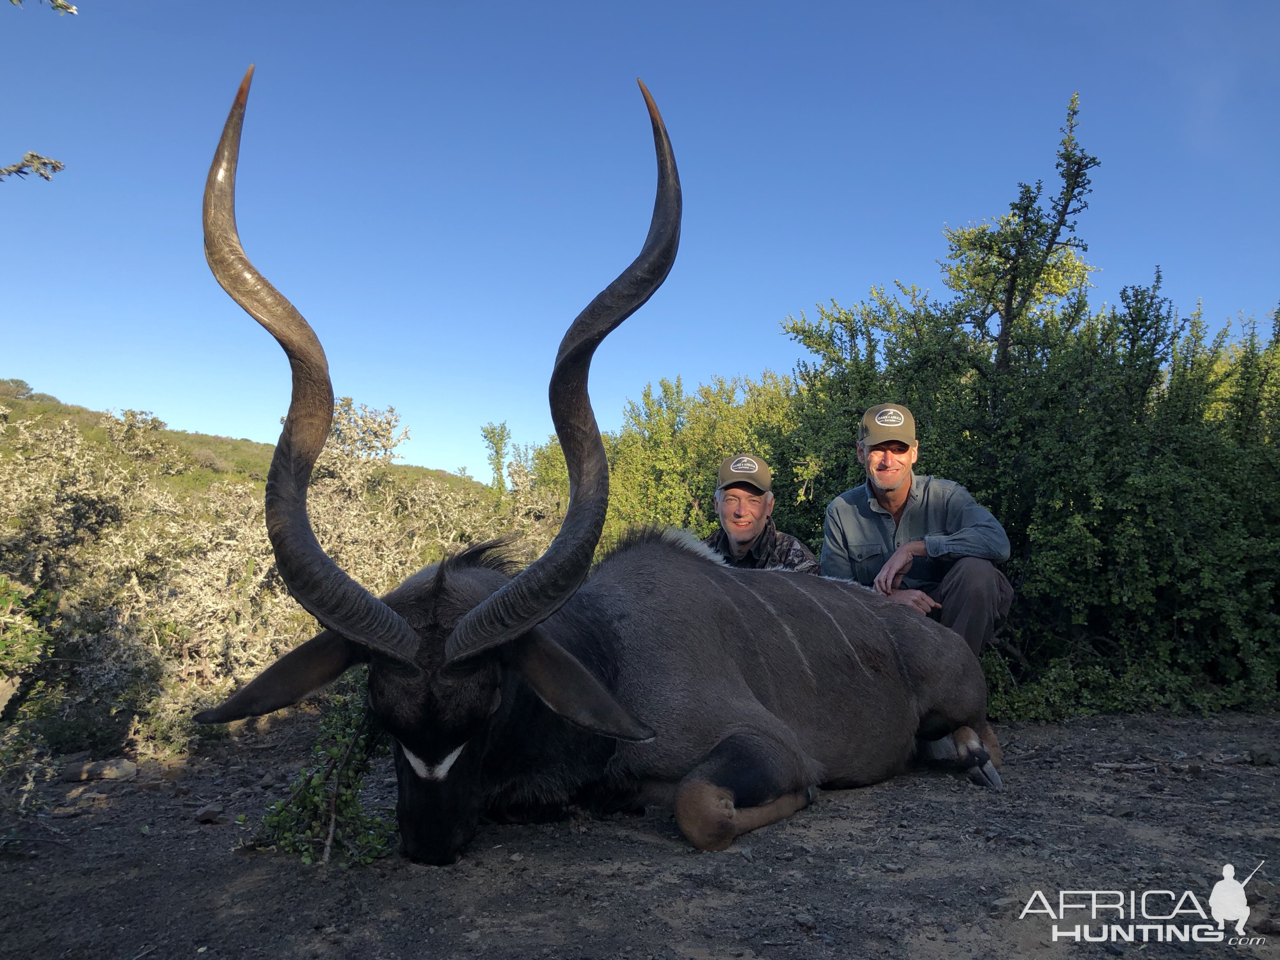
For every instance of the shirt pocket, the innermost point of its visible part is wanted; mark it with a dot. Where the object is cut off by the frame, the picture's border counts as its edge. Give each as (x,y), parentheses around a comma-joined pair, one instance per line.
(868,558)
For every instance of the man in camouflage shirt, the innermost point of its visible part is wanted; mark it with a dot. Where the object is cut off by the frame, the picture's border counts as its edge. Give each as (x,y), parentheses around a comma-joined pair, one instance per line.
(747,537)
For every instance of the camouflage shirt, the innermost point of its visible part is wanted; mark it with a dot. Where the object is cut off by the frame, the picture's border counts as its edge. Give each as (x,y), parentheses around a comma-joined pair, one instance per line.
(772,549)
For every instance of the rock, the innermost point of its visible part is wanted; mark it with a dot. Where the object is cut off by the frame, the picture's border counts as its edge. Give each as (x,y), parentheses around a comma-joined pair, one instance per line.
(1265,756)
(516,857)
(804,920)
(746,854)
(102,770)
(209,813)
(893,868)
(8,687)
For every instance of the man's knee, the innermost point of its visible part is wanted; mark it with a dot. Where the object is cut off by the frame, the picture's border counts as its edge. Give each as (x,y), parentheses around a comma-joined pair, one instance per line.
(977,578)
(975,598)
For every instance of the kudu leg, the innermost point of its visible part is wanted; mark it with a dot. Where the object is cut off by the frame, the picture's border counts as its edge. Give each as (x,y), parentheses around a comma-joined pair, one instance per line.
(979,754)
(954,730)
(976,751)
(741,785)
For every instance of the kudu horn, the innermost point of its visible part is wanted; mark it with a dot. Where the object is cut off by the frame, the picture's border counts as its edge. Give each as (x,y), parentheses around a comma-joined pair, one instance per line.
(312,577)
(551,580)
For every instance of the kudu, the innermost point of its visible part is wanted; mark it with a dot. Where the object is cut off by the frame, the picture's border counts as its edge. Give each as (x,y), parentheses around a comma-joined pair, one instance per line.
(663,677)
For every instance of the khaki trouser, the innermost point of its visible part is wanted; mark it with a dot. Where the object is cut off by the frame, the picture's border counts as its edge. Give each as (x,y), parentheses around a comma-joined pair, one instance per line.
(975,597)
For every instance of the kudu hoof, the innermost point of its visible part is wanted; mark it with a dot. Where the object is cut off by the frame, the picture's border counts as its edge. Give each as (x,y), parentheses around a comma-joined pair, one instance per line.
(986,776)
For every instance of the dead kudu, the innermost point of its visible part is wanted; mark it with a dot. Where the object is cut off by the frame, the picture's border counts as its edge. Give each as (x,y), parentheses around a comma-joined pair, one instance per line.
(663,677)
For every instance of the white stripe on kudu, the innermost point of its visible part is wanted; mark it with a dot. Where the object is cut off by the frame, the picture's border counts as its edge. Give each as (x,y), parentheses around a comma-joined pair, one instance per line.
(438,772)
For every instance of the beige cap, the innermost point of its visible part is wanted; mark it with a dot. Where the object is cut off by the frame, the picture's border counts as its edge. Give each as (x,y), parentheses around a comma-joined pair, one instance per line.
(745,469)
(888,421)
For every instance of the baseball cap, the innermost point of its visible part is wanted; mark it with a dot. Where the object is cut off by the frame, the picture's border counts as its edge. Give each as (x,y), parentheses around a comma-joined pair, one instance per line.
(888,421)
(745,469)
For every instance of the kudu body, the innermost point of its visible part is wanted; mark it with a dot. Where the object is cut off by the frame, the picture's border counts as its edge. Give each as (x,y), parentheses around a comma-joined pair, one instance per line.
(665,676)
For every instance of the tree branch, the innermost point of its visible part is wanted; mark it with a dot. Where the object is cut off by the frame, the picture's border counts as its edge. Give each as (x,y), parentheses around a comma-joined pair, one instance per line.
(42,167)
(60,5)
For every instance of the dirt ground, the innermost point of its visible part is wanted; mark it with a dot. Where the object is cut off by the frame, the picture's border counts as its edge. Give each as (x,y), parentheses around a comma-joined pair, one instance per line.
(925,865)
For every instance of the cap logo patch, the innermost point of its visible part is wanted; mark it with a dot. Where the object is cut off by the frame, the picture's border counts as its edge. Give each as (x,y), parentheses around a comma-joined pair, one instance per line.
(889,418)
(744,465)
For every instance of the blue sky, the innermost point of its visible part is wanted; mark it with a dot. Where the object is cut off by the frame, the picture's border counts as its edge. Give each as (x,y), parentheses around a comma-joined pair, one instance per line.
(440,188)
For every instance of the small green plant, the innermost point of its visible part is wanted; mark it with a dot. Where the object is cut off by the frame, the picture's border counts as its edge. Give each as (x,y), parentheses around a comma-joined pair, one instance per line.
(323,812)
(23,640)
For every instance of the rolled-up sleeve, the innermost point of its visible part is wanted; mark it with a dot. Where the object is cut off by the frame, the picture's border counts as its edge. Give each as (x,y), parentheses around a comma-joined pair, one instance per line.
(835,550)
(974,532)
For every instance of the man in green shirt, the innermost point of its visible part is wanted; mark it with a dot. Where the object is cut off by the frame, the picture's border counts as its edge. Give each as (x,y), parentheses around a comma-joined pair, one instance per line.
(920,541)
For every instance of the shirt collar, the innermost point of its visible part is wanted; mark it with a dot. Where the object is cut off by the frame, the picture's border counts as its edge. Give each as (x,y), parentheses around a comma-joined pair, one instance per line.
(913,496)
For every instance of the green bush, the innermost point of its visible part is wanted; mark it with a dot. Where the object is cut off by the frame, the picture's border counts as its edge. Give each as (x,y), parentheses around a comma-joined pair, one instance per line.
(24,615)
(323,812)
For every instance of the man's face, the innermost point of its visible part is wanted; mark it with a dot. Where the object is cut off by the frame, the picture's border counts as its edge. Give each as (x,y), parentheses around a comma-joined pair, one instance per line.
(743,511)
(888,464)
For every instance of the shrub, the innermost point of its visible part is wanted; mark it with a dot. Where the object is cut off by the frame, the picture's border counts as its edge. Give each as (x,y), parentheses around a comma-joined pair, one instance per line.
(167,597)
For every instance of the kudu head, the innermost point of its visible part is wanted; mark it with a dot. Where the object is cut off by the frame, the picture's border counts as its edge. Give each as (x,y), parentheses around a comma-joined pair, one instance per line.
(441,646)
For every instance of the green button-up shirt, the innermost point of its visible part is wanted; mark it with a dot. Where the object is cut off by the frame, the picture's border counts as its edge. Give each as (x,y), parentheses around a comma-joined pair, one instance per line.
(859,534)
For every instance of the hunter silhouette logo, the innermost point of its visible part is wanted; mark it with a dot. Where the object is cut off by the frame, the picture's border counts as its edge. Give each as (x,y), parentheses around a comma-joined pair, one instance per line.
(889,418)
(744,465)
(1148,916)
(1227,902)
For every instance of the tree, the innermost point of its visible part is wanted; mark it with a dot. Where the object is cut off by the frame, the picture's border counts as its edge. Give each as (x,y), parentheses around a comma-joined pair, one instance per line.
(1028,257)
(15,388)
(497,437)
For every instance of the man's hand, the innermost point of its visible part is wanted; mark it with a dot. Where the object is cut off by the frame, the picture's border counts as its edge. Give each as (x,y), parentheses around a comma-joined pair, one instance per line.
(897,565)
(918,600)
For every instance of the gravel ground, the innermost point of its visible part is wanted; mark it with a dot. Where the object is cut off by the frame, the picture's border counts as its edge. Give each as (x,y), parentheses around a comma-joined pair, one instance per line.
(925,865)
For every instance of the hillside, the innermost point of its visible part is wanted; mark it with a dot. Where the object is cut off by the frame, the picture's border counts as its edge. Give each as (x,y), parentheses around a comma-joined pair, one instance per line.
(212,457)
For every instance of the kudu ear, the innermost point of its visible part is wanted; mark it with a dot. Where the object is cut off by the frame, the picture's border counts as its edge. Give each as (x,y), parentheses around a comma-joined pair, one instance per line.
(300,672)
(571,690)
